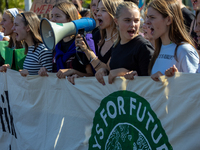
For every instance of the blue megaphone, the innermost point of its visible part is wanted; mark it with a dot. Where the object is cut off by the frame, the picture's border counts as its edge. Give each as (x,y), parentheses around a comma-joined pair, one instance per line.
(52,32)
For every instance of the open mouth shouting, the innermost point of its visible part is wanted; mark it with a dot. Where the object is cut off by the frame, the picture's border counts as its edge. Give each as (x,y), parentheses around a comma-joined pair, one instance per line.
(16,34)
(131,32)
(152,30)
(3,29)
(100,21)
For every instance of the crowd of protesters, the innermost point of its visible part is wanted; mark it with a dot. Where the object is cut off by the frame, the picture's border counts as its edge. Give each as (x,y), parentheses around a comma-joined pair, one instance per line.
(165,42)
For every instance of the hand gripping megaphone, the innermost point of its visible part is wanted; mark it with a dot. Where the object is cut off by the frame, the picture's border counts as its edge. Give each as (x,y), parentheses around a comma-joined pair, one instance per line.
(52,32)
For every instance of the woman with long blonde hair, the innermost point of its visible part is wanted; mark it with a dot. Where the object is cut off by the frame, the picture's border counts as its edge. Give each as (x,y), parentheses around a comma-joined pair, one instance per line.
(105,15)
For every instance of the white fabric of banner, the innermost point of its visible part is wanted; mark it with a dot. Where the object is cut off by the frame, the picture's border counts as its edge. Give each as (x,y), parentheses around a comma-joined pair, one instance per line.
(52,114)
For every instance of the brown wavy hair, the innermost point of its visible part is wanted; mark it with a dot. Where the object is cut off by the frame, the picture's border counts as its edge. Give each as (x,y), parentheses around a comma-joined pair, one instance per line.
(31,19)
(69,9)
(177,31)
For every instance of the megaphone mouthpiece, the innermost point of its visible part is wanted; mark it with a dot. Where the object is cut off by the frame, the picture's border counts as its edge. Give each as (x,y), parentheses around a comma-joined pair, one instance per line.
(85,23)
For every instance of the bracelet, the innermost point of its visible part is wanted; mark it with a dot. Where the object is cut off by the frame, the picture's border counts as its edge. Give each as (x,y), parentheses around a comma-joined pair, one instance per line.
(97,64)
(93,59)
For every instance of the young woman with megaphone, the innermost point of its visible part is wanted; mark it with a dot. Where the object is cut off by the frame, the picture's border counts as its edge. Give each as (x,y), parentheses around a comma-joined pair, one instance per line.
(65,59)
(105,15)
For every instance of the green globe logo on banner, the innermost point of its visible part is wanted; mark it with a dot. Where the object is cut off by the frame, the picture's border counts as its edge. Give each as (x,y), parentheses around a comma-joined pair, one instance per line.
(125,121)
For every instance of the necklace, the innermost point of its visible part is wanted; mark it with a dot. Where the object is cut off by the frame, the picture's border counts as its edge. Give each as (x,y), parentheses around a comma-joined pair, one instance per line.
(110,37)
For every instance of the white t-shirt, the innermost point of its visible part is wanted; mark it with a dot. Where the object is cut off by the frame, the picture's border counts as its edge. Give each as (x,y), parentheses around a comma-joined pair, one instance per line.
(2,36)
(188,59)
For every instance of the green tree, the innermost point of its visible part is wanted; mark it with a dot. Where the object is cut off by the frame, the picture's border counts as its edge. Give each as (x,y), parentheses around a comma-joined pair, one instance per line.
(11,4)
(87,3)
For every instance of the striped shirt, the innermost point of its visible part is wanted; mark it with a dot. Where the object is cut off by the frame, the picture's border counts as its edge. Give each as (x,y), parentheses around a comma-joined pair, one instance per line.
(42,57)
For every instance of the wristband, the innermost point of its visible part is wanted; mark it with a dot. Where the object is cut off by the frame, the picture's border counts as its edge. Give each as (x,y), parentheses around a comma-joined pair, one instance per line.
(97,64)
(93,59)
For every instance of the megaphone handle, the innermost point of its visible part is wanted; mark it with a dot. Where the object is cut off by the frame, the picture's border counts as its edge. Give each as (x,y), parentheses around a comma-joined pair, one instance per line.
(79,49)
(86,42)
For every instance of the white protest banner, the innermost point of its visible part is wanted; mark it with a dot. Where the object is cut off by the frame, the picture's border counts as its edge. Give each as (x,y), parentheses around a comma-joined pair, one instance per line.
(7,129)
(51,113)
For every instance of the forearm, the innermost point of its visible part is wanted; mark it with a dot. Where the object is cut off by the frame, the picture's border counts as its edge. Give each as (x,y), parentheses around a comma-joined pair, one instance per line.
(115,73)
(94,61)
(121,71)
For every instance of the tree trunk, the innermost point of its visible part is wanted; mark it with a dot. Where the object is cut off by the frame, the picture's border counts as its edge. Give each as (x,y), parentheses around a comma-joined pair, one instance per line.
(6,1)
(1,9)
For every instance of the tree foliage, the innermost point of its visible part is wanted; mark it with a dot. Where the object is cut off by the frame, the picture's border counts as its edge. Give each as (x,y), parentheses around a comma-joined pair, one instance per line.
(87,3)
(11,4)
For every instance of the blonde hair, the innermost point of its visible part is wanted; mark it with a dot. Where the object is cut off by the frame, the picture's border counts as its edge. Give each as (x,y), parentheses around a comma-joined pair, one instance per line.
(11,42)
(177,31)
(31,19)
(111,8)
(121,6)
(69,9)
